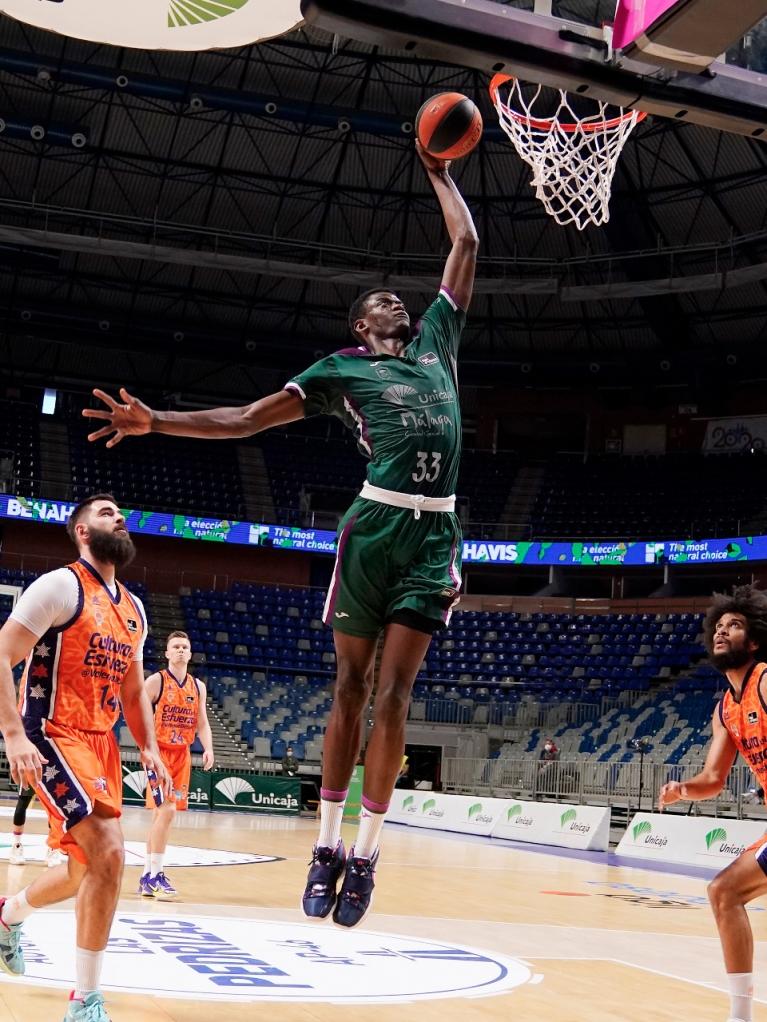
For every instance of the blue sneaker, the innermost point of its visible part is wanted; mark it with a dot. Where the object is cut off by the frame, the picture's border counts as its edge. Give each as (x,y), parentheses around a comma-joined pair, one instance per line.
(90,1010)
(162,888)
(145,888)
(326,867)
(356,896)
(11,955)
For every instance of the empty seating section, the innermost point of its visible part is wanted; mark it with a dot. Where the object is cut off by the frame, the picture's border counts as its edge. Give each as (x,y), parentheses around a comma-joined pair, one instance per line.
(669,497)
(484,482)
(165,473)
(328,472)
(19,448)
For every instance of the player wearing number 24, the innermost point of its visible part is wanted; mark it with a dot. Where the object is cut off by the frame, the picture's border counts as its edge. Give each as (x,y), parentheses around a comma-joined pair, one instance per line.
(397,568)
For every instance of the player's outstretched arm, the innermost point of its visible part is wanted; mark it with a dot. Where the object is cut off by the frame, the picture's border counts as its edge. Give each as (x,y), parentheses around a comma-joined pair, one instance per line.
(131,417)
(458,275)
(712,778)
(138,716)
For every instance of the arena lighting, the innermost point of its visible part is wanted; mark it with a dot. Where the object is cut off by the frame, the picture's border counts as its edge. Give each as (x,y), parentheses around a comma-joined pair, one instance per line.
(49,401)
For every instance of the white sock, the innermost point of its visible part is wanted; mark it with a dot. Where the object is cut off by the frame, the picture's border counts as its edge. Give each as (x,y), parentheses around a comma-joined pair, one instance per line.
(331,818)
(369,833)
(741,986)
(147,862)
(87,972)
(16,908)
(156,863)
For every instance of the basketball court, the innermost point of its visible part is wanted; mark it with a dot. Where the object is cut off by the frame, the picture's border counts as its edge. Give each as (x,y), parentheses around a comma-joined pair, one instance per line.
(462,928)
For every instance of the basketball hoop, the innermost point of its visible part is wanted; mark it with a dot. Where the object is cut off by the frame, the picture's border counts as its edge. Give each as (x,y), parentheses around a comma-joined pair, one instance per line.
(573,158)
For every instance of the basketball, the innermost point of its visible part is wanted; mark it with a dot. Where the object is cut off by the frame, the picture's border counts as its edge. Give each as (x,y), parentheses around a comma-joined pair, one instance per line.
(448,125)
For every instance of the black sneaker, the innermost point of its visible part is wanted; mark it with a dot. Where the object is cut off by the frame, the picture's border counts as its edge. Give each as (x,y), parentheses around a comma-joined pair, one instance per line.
(356,897)
(326,867)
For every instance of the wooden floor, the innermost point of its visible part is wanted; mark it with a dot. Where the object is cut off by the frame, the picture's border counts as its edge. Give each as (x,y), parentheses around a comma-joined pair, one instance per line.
(591,942)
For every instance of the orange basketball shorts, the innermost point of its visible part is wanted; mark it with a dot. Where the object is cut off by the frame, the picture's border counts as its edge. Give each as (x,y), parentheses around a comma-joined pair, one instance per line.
(82,771)
(178,763)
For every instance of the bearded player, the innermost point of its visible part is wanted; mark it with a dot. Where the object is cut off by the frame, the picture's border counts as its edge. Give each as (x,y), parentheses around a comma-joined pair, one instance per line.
(735,636)
(397,569)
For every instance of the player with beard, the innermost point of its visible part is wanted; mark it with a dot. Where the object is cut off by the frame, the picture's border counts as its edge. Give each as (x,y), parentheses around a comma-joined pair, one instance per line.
(82,635)
(397,569)
(735,636)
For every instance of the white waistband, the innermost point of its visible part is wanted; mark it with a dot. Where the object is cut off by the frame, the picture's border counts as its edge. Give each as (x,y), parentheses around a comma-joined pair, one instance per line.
(416,501)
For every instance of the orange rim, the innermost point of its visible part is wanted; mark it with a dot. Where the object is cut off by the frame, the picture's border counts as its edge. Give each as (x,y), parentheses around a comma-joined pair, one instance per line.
(546,124)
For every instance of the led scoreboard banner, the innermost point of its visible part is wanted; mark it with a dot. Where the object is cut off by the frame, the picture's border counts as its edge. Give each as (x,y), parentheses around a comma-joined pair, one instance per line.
(475,551)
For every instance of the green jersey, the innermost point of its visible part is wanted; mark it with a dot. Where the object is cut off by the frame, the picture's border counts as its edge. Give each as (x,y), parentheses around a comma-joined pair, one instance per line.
(403,409)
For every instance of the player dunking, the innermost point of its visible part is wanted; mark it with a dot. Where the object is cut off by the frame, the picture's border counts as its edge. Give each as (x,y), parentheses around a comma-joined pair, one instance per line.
(82,635)
(399,545)
(735,636)
(178,701)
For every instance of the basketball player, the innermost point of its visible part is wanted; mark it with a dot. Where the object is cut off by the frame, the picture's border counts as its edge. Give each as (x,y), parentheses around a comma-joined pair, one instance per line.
(399,545)
(735,636)
(178,700)
(82,635)
(53,856)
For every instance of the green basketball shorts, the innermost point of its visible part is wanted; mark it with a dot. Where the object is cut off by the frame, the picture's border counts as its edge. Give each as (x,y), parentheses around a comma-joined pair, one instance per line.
(389,562)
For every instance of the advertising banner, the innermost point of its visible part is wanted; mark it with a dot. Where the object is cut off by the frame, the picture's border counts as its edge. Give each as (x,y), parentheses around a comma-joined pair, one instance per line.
(728,436)
(134,784)
(555,823)
(161,24)
(200,789)
(255,793)
(688,840)
(322,541)
(544,823)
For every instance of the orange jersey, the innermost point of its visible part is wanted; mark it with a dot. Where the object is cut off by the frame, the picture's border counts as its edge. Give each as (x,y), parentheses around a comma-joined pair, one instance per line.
(746,722)
(75,673)
(176,710)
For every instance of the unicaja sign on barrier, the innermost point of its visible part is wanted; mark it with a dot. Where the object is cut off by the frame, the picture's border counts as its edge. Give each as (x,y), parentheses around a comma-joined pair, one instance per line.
(162,24)
(543,823)
(688,840)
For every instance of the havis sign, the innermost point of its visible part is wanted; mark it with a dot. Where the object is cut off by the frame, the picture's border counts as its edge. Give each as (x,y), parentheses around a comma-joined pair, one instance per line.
(688,840)
(161,24)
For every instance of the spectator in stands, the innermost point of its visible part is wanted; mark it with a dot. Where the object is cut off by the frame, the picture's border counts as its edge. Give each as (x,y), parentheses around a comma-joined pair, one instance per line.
(549,752)
(180,712)
(399,545)
(735,637)
(289,763)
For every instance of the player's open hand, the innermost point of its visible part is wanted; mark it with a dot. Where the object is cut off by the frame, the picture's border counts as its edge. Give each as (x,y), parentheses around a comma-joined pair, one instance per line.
(127,417)
(24,760)
(207,759)
(670,793)
(432,163)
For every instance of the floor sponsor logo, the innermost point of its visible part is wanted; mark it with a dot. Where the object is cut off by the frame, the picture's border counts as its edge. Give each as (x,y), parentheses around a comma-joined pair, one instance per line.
(206,958)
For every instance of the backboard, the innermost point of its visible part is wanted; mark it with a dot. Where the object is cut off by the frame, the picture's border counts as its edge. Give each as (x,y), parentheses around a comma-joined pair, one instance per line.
(666,66)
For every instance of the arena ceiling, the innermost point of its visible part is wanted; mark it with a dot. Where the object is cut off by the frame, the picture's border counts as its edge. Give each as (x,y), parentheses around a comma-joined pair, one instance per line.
(199,223)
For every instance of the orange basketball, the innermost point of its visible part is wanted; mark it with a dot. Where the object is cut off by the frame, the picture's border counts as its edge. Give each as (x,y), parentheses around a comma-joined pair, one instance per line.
(448,125)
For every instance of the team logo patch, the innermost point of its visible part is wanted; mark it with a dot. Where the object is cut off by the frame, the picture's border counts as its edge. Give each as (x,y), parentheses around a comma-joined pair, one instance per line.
(428,359)
(383,373)
(132,625)
(190,699)
(753,717)
(249,960)
(100,783)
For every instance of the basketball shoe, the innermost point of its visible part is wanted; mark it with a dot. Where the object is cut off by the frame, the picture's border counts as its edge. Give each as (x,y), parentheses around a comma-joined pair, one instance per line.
(16,857)
(326,867)
(356,896)
(145,888)
(55,857)
(89,1010)
(162,888)
(11,954)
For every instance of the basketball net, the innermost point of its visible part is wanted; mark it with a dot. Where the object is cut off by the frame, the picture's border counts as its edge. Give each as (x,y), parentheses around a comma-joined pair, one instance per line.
(573,159)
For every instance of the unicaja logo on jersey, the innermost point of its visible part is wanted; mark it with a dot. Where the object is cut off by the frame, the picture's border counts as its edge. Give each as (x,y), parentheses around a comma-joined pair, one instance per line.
(398,392)
(182,12)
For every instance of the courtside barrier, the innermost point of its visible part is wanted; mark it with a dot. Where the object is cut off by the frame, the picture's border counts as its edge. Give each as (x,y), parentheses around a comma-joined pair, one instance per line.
(688,840)
(543,823)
